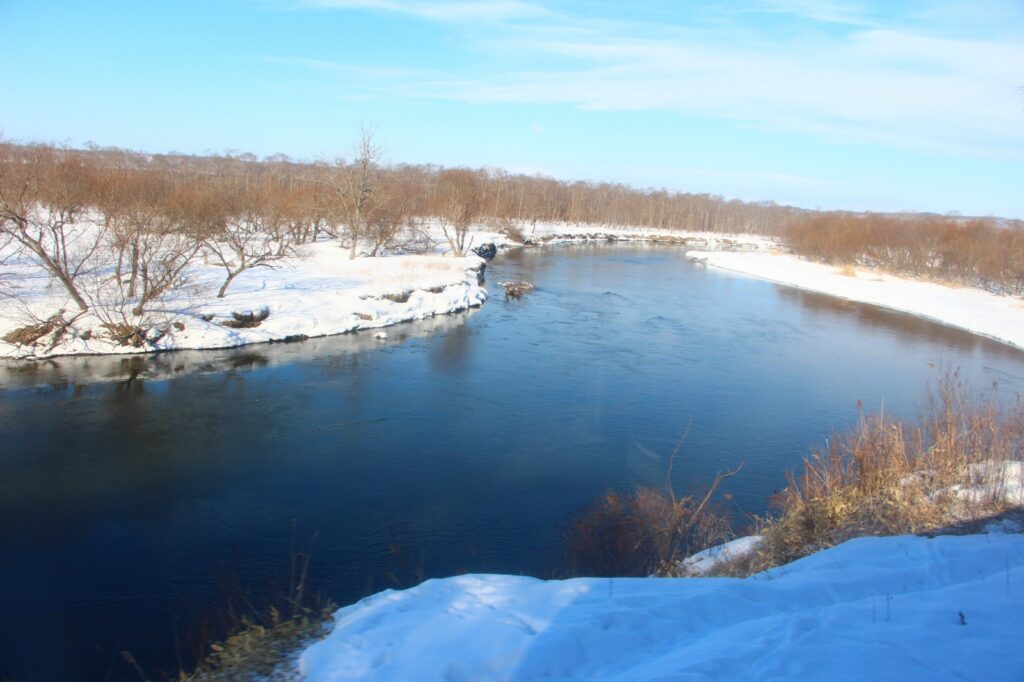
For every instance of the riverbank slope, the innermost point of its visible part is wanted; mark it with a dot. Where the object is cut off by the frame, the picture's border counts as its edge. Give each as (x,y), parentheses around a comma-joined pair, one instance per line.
(980,312)
(319,292)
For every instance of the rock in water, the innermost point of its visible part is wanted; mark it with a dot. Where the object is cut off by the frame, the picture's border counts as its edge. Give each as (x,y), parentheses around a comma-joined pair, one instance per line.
(516,289)
(486,251)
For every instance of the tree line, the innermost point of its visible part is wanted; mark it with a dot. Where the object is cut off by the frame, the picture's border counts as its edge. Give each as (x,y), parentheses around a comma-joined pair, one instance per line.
(979,252)
(143,218)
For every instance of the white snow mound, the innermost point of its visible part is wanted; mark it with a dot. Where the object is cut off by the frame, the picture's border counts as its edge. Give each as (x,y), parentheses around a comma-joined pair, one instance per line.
(897,608)
(705,561)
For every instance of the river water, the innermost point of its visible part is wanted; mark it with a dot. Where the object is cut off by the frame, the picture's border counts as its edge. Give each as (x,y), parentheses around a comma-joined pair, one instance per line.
(133,488)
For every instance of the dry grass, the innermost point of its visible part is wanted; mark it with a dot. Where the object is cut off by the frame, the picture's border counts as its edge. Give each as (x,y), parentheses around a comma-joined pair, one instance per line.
(248,319)
(55,326)
(243,641)
(512,231)
(29,334)
(398,297)
(515,290)
(262,647)
(125,334)
(644,533)
(886,477)
(961,461)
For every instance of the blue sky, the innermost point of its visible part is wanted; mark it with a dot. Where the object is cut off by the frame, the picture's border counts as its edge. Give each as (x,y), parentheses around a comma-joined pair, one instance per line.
(832,104)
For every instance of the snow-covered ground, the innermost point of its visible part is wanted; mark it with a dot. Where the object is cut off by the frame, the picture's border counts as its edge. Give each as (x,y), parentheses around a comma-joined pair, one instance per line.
(562,233)
(896,608)
(980,312)
(705,561)
(318,294)
(323,293)
(89,369)
(990,481)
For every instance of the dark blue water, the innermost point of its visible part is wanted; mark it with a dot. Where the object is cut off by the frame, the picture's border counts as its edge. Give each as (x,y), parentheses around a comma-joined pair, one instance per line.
(128,485)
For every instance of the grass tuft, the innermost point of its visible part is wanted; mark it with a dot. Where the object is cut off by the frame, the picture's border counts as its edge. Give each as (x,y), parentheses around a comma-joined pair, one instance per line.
(960,461)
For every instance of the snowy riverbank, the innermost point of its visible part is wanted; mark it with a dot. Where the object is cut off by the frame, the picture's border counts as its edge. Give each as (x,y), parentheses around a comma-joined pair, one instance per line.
(567,233)
(997,317)
(319,293)
(893,608)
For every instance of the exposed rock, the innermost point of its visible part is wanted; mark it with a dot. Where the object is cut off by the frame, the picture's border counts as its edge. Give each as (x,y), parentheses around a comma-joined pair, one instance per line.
(486,251)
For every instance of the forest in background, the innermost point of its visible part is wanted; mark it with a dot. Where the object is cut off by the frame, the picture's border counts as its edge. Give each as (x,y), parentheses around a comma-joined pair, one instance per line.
(152,214)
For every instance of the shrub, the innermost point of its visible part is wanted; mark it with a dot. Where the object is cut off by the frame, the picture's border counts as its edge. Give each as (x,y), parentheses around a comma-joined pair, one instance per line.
(647,532)
(512,231)
(248,319)
(960,461)
(515,290)
(975,252)
(30,334)
(125,334)
(400,297)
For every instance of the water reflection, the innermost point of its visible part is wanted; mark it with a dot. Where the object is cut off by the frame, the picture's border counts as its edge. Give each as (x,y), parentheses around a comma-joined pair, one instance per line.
(63,372)
(902,325)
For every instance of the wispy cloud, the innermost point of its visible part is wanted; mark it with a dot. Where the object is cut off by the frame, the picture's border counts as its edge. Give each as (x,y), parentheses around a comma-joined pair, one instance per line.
(487,10)
(893,83)
(825,11)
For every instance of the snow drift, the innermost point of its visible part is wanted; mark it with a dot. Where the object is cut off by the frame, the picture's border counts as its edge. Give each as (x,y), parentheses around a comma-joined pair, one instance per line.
(896,608)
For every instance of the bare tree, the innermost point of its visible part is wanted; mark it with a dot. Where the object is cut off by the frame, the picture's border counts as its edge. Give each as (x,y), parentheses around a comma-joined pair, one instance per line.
(255,236)
(164,254)
(6,256)
(460,198)
(44,202)
(169,244)
(354,185)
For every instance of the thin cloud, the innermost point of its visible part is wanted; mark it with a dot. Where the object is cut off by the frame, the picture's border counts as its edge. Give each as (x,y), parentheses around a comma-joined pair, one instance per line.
(921,88)
(493,10)
(818,10)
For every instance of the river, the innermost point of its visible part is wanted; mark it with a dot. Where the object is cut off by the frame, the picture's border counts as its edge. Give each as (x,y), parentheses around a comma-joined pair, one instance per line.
(130,487)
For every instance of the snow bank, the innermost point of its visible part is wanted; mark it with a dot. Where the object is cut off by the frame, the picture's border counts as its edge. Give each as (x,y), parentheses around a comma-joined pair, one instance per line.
(989,481)
(563,233)
(90,369)
(980,312)
(318,294)
(894,608)
(704,561)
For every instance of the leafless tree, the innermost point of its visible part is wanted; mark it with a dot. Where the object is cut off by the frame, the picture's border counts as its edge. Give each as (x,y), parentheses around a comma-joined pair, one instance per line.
(255,235)
(354,185)
(44,202)
(5,257)
(170,243)
(459,200)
